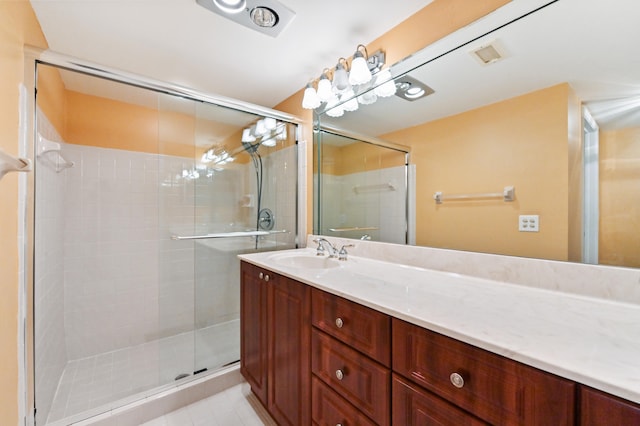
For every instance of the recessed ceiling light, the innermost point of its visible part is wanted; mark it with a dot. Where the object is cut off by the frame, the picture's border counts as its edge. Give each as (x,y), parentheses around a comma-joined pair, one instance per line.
(268,17)
(230,6)
(414,92)
(264,17)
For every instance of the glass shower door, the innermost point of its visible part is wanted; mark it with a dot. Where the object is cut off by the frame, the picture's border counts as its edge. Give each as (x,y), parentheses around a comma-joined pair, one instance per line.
(230,188)
(361,189)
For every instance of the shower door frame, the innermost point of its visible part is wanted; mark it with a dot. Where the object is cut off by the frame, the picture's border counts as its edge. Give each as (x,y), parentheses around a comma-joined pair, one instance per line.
(33,57)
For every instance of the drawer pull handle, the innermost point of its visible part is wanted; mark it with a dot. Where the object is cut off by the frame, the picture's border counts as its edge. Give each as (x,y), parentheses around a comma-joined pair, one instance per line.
(456,380)
(339,374)
(261,275)
(339,322)
(266,278)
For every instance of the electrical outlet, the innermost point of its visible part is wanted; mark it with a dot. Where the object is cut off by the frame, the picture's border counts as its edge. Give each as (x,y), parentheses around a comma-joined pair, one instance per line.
(529,223)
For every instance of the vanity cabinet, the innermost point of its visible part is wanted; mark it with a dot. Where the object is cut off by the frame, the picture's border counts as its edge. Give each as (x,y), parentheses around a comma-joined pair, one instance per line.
(495,389)
(598,408)
(350,360)
(275,343)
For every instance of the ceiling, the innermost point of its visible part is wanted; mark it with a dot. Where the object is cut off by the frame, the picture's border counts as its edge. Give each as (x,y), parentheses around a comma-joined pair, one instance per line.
(181,42)
(590,44)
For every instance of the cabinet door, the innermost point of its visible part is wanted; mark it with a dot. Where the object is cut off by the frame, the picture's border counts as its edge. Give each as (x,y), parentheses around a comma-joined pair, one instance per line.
(289,397)
(413,406)
(598,409)
(494,388)
(253,329)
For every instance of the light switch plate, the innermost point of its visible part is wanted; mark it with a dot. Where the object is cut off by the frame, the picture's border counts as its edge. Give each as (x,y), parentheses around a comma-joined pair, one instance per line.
(529,223)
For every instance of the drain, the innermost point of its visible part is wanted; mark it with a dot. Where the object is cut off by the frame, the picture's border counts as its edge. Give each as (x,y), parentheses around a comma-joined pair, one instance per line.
(181,376)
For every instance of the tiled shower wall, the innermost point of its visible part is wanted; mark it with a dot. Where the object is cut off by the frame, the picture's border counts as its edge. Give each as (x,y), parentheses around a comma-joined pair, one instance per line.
(51,356)
(347,202)
(111,276)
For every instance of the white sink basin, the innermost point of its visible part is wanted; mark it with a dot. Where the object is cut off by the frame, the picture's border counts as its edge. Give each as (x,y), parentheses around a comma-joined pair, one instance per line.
(305,261)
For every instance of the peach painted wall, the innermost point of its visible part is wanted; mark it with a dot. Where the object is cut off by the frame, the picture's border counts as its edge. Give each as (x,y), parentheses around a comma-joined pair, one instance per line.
(358,157)
(620,197)
(520,142)
(18,26)
(435,21)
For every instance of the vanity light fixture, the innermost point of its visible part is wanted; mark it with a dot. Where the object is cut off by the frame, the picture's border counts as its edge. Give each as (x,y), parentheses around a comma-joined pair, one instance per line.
(343,87)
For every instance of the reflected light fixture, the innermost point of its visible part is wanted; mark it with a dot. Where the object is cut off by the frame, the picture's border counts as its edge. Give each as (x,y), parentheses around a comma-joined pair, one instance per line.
(385,86)
(333,109)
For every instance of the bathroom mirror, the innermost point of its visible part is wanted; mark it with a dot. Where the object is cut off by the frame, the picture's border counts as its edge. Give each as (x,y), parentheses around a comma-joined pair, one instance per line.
(556,117)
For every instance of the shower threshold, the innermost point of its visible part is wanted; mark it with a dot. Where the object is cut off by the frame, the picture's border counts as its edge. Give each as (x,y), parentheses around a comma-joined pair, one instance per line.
(96,384)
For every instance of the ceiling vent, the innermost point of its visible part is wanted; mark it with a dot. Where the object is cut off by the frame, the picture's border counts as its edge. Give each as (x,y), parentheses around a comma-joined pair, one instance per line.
(487,54)
(410,89)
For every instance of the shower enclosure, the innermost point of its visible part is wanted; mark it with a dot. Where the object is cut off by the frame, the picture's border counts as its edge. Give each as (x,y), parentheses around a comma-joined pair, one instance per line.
(143,200)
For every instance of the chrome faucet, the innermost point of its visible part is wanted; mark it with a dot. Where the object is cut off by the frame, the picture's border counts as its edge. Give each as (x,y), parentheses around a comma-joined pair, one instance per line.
(333,252)
(342,255)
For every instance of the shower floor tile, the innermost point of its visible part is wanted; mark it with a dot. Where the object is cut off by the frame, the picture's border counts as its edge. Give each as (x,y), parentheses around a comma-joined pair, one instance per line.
(105,381)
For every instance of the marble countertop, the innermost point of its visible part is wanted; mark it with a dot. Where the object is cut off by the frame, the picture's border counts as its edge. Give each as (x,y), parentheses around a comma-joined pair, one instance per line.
(592,341)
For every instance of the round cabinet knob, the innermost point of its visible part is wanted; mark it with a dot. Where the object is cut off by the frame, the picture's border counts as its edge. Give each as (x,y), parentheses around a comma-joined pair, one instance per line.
(339,322)
(339,374)
(261,275)
(266,278)
(456,380)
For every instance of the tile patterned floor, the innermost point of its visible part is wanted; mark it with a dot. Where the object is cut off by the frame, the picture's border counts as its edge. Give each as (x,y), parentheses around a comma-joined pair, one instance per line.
(106,381)
(236,406)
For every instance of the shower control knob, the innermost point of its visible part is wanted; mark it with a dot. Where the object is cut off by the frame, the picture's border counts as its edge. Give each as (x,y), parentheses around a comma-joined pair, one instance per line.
(261,275)
(339,374)
(339,322)
(266,278)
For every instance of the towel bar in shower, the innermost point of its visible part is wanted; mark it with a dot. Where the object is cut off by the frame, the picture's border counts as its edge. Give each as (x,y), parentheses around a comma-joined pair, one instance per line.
(226,235)
(354,228)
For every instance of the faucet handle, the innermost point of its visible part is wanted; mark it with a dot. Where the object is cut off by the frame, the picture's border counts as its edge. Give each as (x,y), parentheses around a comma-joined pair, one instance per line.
(342,255)
(320,248)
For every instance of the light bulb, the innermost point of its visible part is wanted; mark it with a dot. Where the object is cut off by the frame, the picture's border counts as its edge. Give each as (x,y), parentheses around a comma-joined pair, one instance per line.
(385,86)
(247,136)
(333,109)
(310,99)
(269,123)
(340,78)
(360,73)
(351,103)
(231,6)
(260,128)
(324,88)
(367,98)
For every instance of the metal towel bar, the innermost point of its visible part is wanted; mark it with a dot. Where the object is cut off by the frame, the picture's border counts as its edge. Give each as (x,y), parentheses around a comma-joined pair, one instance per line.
(226,235)
(508,194)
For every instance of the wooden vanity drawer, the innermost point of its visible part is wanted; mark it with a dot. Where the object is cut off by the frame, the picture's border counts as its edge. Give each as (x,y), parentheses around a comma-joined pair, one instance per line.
(496,389)
(413,406)
(363,328)
(358,379)
(330,409)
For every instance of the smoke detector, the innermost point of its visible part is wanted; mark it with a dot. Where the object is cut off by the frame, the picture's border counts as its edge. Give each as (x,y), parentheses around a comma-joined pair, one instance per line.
(488,53)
